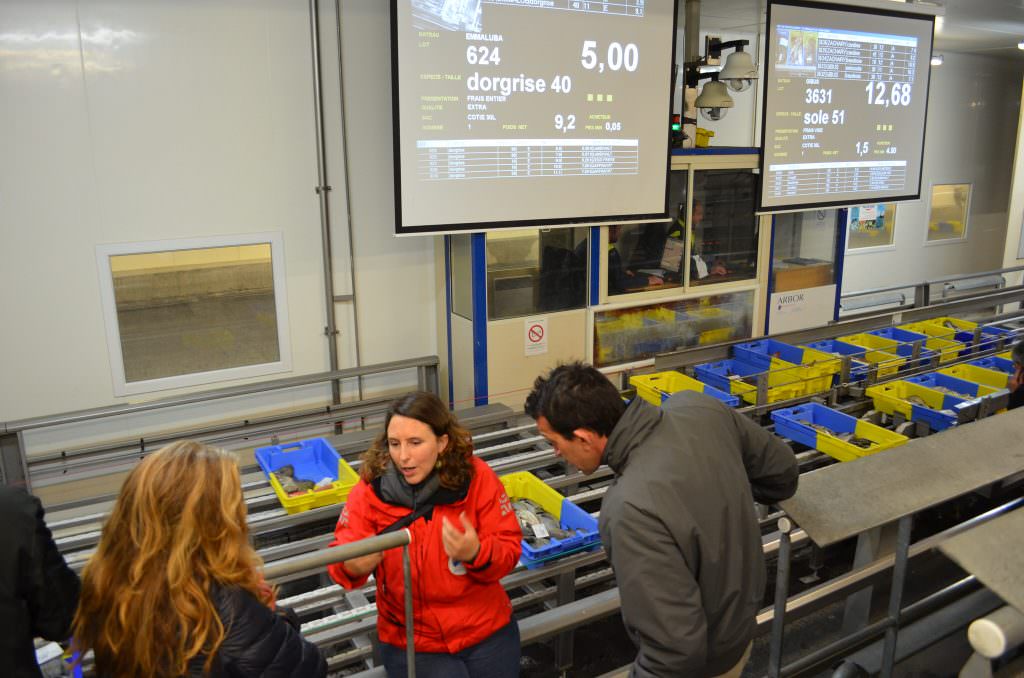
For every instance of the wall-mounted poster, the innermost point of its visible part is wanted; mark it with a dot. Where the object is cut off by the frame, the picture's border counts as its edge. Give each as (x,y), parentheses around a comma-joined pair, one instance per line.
(870,226)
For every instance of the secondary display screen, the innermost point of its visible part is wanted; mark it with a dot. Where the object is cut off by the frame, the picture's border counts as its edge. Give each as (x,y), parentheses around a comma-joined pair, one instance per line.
(530,112)
(846,95)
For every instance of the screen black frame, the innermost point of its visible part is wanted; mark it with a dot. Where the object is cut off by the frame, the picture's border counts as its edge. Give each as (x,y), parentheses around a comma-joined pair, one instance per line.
(810,4)
(481,226)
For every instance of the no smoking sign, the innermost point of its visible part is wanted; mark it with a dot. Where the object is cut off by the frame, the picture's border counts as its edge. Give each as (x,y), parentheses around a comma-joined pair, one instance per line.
(535,336)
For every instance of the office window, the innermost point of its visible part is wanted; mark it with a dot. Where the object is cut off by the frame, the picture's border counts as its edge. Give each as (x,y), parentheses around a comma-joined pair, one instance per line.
(641,332)
(870,226)
(536,271)
(947,217)
(724,227)
(804,251)
(182,313)
(643,257)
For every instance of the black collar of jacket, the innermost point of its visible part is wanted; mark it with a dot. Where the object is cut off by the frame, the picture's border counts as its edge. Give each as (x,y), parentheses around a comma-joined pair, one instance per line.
(632,429)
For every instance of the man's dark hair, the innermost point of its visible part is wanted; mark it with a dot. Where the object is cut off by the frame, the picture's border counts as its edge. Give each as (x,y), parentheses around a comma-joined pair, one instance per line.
(576,396)
(1018,353)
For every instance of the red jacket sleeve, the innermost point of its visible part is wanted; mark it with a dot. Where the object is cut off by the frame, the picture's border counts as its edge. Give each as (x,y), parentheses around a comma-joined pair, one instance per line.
(353,524)
(497,527)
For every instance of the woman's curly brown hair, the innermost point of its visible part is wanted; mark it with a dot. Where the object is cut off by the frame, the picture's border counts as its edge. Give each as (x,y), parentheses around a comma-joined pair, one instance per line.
(455,461)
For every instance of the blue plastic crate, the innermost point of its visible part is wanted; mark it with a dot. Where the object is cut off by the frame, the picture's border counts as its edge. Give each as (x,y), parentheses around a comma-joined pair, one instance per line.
(793,423)
(858,368)
(995,363)
(759,353)
(312,459)
(989,338)
(962,386)
(525,485)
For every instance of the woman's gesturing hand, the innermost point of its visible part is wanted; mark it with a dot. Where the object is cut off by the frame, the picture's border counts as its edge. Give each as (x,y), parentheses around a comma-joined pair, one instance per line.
(460,545)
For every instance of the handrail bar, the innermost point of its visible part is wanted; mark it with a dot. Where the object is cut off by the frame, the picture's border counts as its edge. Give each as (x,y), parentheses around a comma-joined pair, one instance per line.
(205,396)
(336,554)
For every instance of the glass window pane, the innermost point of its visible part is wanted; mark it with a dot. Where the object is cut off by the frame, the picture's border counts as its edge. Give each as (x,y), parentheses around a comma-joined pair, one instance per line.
(724,227)
(947,219)
(804,250)
(870,226)
(196,310)
(638,333)
(536,271)
(462,276)
(650,256)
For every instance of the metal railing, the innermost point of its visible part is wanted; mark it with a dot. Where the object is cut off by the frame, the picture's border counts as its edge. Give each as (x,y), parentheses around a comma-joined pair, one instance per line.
(918,295)
(363,547)
(15,467)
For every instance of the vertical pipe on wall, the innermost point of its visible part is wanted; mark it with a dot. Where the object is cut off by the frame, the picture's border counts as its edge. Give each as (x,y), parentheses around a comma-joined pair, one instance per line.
(322,190)
(348,194)
(691,31)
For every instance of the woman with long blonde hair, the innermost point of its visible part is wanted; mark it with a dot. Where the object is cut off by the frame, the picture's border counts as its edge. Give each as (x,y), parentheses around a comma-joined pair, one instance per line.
(175,588)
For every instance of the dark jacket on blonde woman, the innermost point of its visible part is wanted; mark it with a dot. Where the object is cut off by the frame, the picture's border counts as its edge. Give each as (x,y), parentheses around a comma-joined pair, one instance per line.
(175,588)
(38,592)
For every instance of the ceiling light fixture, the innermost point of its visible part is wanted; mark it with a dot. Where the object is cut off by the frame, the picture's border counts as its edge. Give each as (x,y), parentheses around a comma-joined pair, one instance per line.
(937,59)
(1020,45)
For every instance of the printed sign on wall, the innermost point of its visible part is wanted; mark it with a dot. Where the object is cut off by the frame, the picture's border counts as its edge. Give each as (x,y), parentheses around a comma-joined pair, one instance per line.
(535,336)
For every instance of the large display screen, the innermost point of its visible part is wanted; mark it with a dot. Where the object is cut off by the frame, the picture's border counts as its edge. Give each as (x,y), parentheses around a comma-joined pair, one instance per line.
(530,112)
(846,95)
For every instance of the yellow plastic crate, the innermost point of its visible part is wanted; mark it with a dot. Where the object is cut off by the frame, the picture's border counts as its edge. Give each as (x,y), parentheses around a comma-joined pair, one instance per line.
(871,341)
(844,451)
(932,329)
(978,375)
(784,382)
(338,492)
(887,363)
(656,387)
(715,336)
(890,397)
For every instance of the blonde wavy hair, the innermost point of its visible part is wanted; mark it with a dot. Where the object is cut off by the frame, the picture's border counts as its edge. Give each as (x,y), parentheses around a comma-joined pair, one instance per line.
(178,526)
(454,464)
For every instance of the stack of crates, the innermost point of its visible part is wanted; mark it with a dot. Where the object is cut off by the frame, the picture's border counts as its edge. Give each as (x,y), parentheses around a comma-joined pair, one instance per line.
(570,517)
(886,364)
(963,331)
(937,409)
(948,349)
(872,341)
(815,369)
(656,388)
(979,374)
(739,378)
(798,424)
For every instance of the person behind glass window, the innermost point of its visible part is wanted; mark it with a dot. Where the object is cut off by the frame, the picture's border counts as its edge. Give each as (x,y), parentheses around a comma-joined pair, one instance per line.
(175,588)
(38,591)
(420,474)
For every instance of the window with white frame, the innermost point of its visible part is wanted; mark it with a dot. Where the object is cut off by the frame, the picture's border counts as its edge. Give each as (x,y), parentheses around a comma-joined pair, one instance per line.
(188,312)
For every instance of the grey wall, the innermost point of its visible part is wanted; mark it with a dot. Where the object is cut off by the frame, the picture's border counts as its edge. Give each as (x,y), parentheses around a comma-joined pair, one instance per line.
(971,134)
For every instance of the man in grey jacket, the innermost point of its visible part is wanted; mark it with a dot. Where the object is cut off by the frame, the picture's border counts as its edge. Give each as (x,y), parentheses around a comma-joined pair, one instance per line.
(678,521)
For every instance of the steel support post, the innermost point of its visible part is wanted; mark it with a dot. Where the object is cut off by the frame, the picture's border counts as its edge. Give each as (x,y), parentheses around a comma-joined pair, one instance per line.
(781,594)
(410,648)
(899,574)
(566,590)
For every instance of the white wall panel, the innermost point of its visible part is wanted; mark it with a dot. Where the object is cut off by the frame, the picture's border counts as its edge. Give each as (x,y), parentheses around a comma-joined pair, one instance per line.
(394,276)
(144,121)
(970,138)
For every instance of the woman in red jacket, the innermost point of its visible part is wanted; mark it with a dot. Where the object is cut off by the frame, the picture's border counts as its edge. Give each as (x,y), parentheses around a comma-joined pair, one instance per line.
(420,474)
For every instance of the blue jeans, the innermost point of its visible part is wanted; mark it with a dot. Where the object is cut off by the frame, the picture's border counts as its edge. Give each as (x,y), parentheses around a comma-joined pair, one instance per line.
(496,656)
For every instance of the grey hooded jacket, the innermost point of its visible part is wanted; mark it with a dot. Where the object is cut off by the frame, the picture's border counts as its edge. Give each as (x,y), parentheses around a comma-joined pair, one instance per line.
(681,532)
